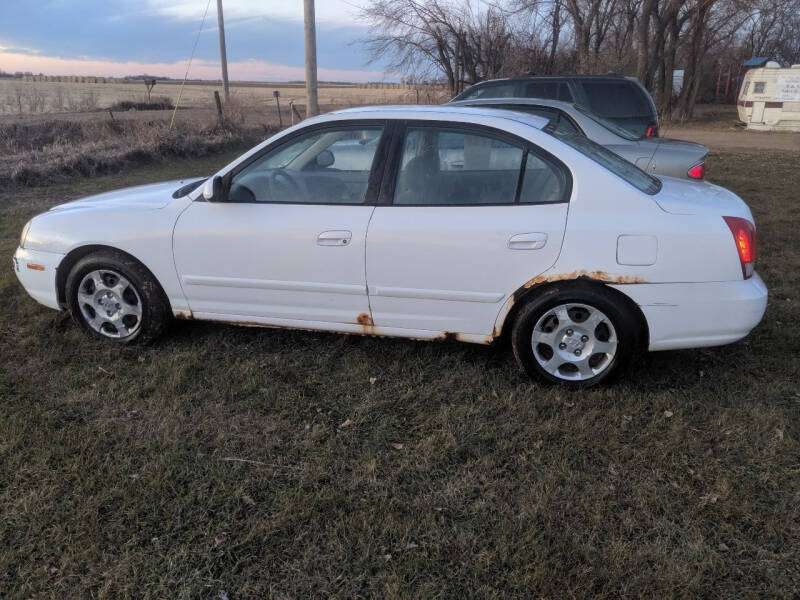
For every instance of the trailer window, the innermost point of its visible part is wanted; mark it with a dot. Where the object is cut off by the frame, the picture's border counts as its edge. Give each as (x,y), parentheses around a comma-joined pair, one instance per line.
(758,88)
(744,89)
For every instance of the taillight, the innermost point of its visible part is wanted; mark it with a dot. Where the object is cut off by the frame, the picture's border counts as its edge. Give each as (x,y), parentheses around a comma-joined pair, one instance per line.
(652,130)
(744,236)
(698,171)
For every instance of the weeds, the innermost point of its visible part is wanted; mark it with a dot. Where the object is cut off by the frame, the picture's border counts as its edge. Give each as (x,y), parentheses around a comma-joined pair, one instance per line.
(43,153)
(146,104)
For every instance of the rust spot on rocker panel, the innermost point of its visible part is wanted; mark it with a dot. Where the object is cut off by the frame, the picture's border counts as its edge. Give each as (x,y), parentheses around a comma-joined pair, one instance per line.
(363,319)
(367,326)
(449,336)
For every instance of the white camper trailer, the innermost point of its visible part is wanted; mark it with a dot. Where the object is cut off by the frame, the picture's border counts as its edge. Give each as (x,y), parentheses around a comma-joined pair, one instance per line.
(770,98)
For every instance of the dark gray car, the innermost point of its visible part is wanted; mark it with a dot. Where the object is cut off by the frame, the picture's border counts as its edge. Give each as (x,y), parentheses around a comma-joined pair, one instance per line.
(622,100)
(660,156)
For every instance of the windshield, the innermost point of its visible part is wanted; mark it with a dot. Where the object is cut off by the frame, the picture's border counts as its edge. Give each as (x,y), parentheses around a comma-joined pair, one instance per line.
(610,125)
(611,161)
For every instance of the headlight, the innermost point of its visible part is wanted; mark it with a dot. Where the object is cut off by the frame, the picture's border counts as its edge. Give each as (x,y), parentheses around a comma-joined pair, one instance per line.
(24,234)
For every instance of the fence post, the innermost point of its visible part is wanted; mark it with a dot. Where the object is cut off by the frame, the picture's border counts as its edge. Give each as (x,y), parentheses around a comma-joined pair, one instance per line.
(219,105)
(277,95)
(296,113)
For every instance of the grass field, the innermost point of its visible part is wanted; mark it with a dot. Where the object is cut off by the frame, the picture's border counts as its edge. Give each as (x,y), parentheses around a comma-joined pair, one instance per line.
(255,463)
(33,97)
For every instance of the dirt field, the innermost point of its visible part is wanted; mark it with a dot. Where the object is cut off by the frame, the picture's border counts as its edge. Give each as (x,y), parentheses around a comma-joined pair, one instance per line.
(736,140)
(35,97)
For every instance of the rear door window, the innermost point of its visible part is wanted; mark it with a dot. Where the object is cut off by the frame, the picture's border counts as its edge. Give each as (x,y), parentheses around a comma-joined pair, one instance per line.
(616,99)
(442,166)
(548,90)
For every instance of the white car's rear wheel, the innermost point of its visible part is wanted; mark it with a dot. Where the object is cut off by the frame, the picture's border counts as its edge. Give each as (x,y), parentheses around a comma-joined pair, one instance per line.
(574,341)
(577,335)
(115,298)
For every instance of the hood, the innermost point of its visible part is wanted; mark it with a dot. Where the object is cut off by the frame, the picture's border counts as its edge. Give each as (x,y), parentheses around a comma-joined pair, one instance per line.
(685,197)
(143,197)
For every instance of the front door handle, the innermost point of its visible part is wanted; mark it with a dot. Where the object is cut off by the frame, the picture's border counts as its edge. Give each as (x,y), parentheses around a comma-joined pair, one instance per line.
(528,241)
(334,238)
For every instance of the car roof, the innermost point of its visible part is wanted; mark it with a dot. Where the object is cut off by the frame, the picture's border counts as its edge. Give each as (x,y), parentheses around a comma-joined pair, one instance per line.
(513,100)
(412,111)
(613,76)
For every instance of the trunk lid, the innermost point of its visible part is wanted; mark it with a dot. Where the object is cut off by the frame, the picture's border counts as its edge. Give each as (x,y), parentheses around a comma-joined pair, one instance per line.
(685,197)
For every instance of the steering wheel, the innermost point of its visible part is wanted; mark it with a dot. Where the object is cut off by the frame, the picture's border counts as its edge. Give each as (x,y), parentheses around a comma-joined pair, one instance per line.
(282,178)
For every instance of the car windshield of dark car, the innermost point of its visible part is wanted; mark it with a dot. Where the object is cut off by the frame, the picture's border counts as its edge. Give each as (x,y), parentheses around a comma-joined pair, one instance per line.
(607,124)
(611,161)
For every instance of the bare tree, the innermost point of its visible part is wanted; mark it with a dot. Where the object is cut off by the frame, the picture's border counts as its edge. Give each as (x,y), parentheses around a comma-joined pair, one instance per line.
(465,41)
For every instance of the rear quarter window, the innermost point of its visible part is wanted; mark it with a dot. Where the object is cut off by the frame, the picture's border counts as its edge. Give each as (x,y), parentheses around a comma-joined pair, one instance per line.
(616,99)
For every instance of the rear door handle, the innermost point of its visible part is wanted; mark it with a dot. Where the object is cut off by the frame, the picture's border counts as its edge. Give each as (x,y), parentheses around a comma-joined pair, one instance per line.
(334,238)
(528,241)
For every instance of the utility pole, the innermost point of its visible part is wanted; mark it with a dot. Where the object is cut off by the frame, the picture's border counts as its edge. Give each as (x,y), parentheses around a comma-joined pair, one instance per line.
(312,106)
(222,55)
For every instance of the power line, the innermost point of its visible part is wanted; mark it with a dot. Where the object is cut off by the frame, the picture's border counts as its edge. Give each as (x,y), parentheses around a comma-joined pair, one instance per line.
(188,66)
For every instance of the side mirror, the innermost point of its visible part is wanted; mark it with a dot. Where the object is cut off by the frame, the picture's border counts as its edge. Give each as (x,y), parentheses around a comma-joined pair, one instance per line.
(325,159)
(213,189)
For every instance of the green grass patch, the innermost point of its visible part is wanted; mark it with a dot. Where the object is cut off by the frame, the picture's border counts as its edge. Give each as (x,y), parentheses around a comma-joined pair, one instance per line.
(217,459)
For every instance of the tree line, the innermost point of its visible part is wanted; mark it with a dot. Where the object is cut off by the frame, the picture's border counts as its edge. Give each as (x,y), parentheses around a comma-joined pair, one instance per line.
(461,42)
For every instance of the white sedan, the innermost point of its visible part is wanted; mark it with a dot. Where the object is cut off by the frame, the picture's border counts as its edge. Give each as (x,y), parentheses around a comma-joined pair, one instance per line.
(421,222)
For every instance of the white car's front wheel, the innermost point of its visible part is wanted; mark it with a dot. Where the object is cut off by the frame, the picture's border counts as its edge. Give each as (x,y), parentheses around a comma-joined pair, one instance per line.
(575,335)
(114,297)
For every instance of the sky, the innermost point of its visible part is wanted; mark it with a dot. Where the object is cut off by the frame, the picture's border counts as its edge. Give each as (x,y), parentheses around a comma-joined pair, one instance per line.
(265,40)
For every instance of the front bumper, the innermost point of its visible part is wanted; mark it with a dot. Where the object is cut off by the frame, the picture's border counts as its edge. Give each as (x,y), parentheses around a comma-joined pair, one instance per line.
(692,315)
(36,272)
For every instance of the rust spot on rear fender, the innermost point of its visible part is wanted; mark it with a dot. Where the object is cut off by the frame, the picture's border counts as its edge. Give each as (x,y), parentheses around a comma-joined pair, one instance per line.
(185,316)
(603,276)
(580,274)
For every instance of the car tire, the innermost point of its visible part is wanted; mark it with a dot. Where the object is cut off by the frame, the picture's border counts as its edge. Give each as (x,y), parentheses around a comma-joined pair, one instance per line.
(113,297)
(575,335)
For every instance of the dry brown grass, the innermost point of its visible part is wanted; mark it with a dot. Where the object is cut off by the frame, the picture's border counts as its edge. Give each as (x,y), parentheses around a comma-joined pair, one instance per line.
(49,151)
(680,481)
(36,97)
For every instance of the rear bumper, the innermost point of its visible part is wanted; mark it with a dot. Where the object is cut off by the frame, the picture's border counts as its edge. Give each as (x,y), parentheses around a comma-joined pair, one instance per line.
(36,272)
(692,315)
